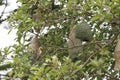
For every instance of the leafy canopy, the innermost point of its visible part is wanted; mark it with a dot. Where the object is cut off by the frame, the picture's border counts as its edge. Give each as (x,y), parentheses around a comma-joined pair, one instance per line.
(96,61)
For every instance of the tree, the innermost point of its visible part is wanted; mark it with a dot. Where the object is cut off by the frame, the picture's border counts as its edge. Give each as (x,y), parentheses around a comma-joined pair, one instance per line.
(96,61)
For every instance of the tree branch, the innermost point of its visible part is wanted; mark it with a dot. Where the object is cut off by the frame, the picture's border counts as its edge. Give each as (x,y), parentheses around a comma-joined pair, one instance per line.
(4,9)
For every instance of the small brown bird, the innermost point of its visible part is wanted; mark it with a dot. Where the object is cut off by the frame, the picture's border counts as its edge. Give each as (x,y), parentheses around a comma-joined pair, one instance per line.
(40,49)
(35,47)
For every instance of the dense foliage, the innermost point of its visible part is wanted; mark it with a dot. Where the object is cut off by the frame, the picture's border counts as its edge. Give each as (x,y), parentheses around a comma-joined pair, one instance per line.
(96,61)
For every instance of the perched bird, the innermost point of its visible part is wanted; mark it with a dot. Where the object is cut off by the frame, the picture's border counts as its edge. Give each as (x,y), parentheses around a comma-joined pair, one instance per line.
(35,47)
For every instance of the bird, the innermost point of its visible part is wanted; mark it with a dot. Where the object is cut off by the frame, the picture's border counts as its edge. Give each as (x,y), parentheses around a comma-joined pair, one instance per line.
(35,47)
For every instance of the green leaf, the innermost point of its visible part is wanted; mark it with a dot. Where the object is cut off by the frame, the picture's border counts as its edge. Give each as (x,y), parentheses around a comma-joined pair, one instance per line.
(104,52)
(5,66)
(96,17)
(94,63)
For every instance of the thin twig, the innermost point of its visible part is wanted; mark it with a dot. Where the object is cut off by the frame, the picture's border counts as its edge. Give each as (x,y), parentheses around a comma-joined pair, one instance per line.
(89,59)
(3,9)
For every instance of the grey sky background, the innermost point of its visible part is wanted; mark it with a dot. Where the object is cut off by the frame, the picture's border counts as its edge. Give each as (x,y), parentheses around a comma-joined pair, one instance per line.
(5,38)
